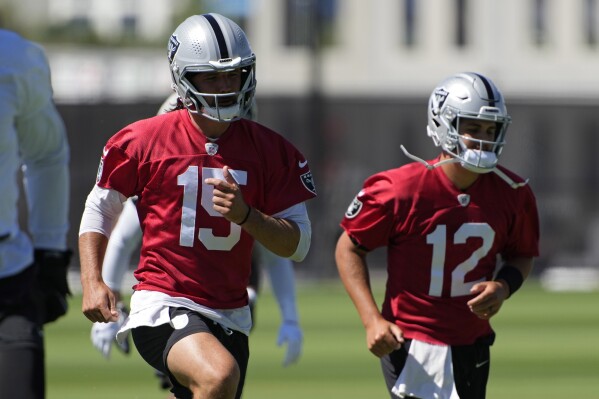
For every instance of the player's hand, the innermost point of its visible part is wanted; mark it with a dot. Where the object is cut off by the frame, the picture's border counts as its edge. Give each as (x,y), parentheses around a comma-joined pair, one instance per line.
(227,198)
(103,335)
(489,298)
(291,334)
(53,288)
(383,337)
(99,302)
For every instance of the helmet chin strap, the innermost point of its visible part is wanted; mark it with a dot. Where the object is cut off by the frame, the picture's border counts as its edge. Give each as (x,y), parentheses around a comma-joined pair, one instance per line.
(429,166)
(422,161)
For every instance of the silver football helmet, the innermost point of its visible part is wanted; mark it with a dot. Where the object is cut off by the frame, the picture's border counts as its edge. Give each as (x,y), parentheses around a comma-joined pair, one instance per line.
(212,43)
(473,96)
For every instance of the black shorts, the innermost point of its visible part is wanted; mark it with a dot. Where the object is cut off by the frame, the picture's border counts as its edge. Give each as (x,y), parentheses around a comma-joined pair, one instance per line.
(470,367)
(154,344)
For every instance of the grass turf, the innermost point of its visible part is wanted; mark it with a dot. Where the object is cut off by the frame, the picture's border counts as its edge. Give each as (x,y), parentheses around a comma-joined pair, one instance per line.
(546,348)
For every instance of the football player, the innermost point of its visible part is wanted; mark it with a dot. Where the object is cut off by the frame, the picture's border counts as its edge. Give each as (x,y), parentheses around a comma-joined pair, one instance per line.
(209,183)
(125,240)
(33,261)
(448,224)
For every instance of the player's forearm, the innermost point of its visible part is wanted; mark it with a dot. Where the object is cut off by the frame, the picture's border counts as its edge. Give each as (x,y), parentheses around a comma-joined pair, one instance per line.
(277,235)
(358,287)
(92,246)
(353,271)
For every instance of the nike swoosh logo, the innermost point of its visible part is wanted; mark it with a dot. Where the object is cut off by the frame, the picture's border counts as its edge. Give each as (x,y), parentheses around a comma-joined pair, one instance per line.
(477,365)
(302,164)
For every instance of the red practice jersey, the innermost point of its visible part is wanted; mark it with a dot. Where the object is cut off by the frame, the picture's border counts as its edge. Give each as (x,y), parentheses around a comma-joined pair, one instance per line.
(440,242)
(189,249)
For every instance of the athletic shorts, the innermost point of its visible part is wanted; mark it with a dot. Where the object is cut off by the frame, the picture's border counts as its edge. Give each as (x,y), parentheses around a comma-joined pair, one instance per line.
(470,367)
(154,344)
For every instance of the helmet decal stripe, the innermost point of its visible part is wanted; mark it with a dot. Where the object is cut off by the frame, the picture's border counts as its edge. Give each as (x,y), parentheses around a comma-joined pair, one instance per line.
(489,88)
(220,37)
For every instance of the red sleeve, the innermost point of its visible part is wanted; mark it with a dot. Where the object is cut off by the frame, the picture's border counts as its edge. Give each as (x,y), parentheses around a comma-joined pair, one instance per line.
(289,180)
(524,234)
(369,218)
(118,170)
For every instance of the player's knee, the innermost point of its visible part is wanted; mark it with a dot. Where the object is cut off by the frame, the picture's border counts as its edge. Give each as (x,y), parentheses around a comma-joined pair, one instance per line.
(217,382)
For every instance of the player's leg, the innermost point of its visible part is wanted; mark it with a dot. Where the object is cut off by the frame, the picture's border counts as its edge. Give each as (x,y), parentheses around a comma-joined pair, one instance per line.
(21,364)
(163,381)
(202,356)
(22,373)
(471,368)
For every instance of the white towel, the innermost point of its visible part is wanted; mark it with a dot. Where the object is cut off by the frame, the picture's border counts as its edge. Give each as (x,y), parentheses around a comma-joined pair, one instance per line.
(427,374)
(151,308)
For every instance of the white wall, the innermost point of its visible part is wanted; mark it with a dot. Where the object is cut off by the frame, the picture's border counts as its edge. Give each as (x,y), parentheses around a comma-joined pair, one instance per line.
(369,58)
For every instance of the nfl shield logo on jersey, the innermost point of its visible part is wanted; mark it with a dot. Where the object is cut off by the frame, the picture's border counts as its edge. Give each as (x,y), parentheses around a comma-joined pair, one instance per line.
(211,148)
(354,208)
(464,199)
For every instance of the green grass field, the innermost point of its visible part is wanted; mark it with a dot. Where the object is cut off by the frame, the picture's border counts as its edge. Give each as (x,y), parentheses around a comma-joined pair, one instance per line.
(547,347)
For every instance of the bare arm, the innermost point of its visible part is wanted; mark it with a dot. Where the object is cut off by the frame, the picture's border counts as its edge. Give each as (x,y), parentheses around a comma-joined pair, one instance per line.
(382,336)
(99,303)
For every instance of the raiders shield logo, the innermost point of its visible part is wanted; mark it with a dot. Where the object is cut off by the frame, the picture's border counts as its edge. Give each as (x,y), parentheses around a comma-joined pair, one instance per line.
(211,148)
(438,100)
(173,46)
(353,209)
(464,199)
(308,182)
(100,168)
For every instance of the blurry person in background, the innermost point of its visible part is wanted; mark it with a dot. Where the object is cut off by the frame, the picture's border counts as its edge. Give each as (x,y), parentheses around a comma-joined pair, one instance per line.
(33,261)
(461,233)
(209,182)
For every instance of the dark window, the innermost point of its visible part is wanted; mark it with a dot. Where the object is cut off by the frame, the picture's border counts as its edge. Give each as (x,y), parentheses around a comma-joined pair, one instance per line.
(129,25)
(310,22)
(590,22)
(410,23)
(461,31)
(539,21)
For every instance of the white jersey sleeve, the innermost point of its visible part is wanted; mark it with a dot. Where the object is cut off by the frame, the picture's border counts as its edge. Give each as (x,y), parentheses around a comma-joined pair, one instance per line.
(102,209)
(124,240)
(299,214)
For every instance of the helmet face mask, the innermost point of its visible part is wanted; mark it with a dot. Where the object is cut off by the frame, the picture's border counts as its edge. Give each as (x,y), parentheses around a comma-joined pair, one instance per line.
(211,43)
(468,96)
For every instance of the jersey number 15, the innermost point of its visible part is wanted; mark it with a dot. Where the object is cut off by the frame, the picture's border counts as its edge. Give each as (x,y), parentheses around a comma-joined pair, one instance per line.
(190,182)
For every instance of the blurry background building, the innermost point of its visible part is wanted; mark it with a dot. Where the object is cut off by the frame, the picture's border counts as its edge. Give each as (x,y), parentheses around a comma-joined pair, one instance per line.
(348,81)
